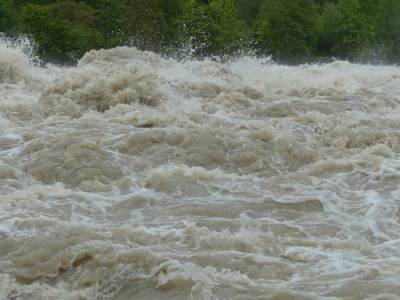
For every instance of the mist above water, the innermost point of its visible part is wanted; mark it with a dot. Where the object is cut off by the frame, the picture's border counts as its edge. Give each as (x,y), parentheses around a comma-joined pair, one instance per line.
(131,176)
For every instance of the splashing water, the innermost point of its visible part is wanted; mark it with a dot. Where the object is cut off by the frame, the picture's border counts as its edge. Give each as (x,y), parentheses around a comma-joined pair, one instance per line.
(131,176)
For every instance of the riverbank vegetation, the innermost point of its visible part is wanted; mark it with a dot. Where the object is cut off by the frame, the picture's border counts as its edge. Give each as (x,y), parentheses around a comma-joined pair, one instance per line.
(291,31)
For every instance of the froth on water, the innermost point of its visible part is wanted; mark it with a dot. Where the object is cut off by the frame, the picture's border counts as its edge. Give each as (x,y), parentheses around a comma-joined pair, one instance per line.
(131,176)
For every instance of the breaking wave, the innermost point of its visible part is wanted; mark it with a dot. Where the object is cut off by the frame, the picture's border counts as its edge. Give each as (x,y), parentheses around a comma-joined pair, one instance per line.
(132,176)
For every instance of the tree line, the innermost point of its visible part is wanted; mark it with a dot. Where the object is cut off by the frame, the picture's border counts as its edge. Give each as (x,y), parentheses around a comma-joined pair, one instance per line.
(291,31)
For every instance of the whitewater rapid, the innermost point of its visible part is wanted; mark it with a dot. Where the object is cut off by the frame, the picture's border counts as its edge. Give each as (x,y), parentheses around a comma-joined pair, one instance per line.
(132,176)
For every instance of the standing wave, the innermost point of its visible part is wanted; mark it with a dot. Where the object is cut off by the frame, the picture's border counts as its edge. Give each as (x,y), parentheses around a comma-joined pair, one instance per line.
(133,176)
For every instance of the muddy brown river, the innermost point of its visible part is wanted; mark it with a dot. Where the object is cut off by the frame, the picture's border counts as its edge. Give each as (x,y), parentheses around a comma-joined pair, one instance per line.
(132,176)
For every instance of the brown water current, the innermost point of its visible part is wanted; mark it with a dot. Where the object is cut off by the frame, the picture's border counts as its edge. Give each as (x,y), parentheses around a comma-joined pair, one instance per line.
(132,176)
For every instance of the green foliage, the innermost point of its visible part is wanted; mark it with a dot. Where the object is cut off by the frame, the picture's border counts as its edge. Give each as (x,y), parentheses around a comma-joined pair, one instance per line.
(140,22)
(110,21)
(8,15)
(346,28)
(287,28)
(64,30)
(216,29)
(388,29)
(144,23)
(173,10)
(248,10)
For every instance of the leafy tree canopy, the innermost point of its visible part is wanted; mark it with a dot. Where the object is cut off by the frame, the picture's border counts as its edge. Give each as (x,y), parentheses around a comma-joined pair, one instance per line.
(289,30)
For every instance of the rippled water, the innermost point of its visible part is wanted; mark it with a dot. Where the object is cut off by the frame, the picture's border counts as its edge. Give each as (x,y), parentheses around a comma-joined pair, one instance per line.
(131,176)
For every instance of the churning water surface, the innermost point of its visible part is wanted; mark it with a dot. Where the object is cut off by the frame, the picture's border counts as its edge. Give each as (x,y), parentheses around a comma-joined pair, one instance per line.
(132,176)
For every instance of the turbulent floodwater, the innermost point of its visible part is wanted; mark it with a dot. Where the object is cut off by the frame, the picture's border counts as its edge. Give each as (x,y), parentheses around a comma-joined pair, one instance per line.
(131,176)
